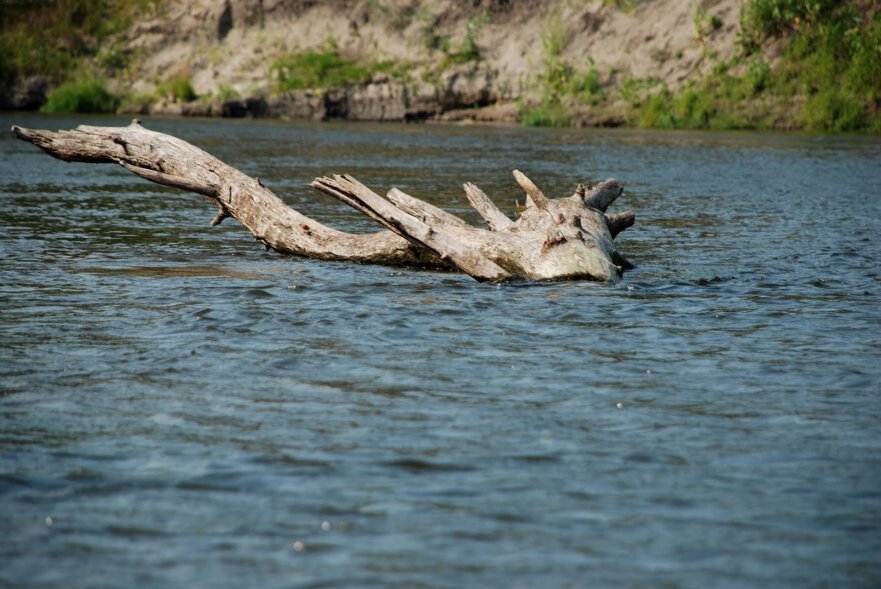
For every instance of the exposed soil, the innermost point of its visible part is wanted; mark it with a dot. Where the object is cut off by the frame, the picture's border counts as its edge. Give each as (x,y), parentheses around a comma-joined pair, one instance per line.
(227,47)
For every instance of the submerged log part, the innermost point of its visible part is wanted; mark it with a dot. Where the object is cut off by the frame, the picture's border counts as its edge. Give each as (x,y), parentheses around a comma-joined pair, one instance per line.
(554,239)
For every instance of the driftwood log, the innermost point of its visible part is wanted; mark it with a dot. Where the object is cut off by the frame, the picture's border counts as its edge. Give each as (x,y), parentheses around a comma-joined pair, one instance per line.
(553,239)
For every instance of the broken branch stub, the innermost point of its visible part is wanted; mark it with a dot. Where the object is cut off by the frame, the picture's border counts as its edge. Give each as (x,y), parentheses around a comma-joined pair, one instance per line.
(534,195)
(554,239)
(602,195)
(618,222)
(495,219)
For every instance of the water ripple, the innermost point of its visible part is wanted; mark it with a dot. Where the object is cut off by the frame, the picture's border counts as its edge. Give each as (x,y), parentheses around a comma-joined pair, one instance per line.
(181,408)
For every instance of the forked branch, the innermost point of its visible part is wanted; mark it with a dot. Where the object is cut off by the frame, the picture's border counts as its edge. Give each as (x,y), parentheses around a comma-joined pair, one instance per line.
(433,238)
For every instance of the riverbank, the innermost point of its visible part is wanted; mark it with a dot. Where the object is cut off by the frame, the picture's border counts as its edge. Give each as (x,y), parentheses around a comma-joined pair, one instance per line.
(652,63)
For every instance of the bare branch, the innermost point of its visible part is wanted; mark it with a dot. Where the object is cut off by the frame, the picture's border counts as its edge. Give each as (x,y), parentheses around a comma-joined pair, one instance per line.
(495,218)
(532,191)
(219,217)
(469,260)
(425,212)
(187,184)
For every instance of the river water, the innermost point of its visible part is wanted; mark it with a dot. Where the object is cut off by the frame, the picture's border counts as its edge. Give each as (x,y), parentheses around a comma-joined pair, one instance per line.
(180,408)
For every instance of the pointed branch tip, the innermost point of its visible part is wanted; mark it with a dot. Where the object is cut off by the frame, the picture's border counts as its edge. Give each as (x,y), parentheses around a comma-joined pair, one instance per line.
(537,196)
(495,219)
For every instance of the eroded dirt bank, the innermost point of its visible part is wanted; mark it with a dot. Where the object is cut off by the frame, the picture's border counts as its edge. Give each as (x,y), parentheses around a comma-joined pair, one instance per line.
(425,60)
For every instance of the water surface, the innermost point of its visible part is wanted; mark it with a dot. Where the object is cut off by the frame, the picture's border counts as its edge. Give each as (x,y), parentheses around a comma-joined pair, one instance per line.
(180,408)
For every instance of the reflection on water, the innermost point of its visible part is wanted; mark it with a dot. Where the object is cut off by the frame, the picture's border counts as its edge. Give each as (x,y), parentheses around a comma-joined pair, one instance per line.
(181,408)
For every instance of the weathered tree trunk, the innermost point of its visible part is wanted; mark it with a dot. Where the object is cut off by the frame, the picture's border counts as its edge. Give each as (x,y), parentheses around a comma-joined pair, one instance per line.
(554,239)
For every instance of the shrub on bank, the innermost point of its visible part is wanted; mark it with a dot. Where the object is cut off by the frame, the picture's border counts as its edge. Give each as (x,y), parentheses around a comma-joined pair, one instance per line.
(88,95)
(548,113)
(51,37)
(829,77)
(832,61)
(316,69)
(178,87)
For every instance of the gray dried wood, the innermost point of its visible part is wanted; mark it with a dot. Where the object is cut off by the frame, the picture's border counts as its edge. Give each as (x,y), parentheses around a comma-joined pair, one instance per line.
(553,239)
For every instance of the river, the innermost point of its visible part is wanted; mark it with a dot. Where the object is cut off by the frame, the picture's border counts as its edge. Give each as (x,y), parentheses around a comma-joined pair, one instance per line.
(180,408)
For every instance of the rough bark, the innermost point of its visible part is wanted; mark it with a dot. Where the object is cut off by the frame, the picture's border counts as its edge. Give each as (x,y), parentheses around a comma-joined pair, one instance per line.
(554,239)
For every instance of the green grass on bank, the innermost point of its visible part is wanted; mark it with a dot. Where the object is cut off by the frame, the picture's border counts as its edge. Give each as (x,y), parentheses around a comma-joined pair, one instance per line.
(828,77)
(562,85)
(316,70)
(178,87)
(88,95)
(49,37)
(70,42)
(327,68)
(77,46)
